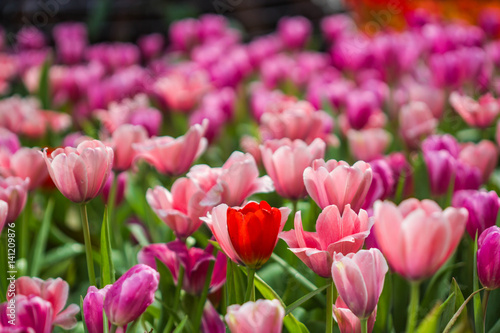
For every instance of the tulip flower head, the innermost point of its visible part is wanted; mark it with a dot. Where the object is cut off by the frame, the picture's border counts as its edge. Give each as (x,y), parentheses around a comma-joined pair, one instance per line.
(260,316)
(14,191)
(249,234)
(488,258)
(347,321)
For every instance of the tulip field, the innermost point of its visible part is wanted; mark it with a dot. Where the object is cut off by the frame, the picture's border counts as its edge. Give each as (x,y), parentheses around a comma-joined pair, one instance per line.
(319,178)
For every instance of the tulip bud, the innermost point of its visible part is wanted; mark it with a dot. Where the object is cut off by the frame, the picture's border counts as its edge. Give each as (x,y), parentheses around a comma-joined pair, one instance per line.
(260,316)
(92,308)
(482,206)
(14,191)
(488,258)
(131,294)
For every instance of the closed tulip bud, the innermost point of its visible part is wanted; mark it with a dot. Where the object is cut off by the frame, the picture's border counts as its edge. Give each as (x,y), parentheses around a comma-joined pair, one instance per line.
(131,294)
(9,140)
(28,163)
(359,278)
(347,321)
(417,237)
(488,258)
(92,309)
(337,183)
(368,144)
(80,173)
(294,31)
(260,316)
(247,235)
(14,191)
(482,207)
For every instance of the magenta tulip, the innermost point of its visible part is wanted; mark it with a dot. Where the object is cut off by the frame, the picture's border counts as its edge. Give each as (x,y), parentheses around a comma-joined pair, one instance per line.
(32,314)
(294,31)
(359,279)
(173,156)
(93,308)
(80,173)
(417,237)
(252,317)
(336,232)
(285,162)
(482,207)
(337,183)
(131,294)
(488,258)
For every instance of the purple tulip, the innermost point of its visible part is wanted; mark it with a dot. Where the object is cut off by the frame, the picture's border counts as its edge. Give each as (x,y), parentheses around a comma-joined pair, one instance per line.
(131,294)
(488,258)
(482,206)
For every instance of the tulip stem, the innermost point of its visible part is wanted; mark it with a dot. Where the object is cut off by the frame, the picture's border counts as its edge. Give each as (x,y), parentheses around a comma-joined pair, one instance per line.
(178,288)
(116,240)
(330,291)
(203,296)
(113,328)
(486,296)
(88,244)
(25,229)
(250,294)
(364,325)
(413,307)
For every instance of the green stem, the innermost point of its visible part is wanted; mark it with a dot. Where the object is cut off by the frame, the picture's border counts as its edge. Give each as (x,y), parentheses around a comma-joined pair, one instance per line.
(204,294)
(25,229)
(177,299)
(3,264)
(364,325)
(486,296)
(111,212)
(250,294)
(330,291)
(413,307)
(229,285)
(88,244)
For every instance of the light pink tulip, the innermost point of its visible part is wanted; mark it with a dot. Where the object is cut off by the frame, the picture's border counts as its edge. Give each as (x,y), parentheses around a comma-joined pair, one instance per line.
(483,156)
(336,183)
(347,321)
(80,173)
(417,237)
(174,156)
(179,209)
(416,122)
(122,140)
(256,317)
(54,291)
(28,163)
(368,144)
(9,140)
(217,222)
(433,97)
(478,114)
(14,191)
(285,161)
(250,144)
(359,278)
(131,295)
(335,233)
(233,183)
(4,208)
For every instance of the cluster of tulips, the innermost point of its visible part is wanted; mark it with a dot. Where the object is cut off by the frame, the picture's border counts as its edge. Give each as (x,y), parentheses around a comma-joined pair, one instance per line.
(253,186)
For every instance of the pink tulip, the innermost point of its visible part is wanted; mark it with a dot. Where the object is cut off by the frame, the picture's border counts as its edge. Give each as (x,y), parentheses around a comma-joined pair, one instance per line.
(347,321)
(122,140)
(32,314)
(294,31)
(252,317)
(217,221)
(416,122)
(80,173)
(194,260)
(336,232)
(174,156)
(483,156)
(336,183)
(14,191)
(478,114)
(4,208)
(131,294)
(9,140)
(93,307)
(368,144)
(250,144)
(417,237)
(53,291)
(359,278)
(233,183)
(285,162)
(28,163)
(432,96)
(180,209)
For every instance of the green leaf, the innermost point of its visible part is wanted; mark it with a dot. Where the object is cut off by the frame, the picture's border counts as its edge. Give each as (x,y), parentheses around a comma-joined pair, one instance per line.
(457,314)
(495,328)
(41,239)
(181,325)
(384,305)
(431,322)
(448,310)
(293,325)
(167,291)
(304,299)
(83,316)
(44,86)
(62,253)
(107,266)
